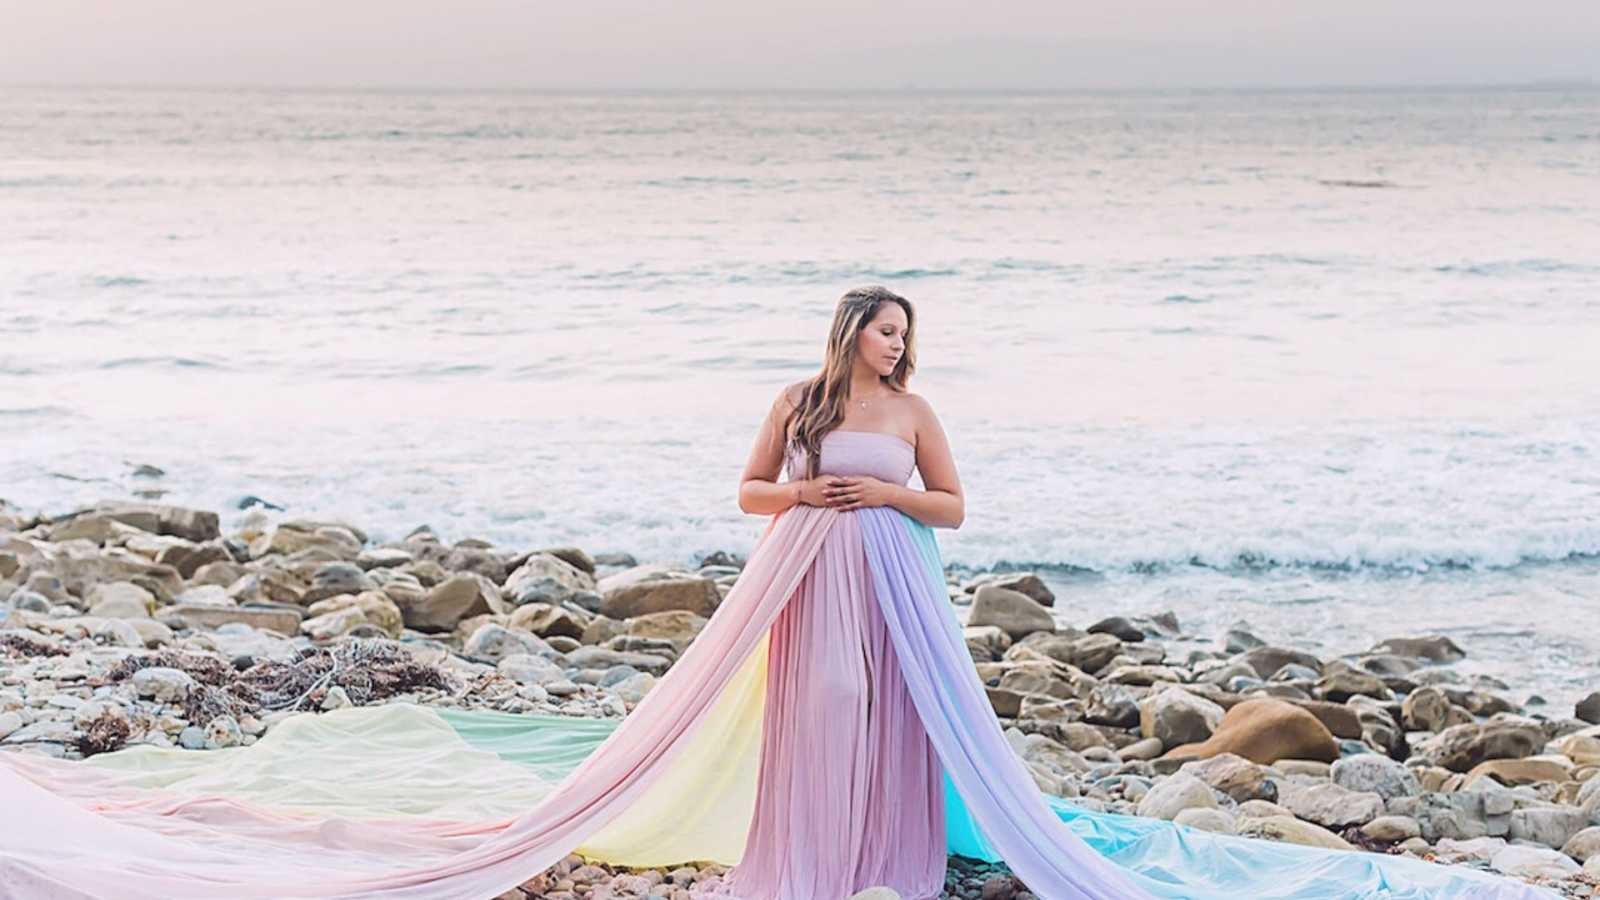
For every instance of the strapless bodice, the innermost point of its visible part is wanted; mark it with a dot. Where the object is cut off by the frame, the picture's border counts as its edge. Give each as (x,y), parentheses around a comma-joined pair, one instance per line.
(873,453)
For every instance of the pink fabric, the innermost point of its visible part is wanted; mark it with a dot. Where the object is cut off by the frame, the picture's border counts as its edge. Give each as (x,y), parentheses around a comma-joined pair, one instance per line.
(850,794)
(52,846)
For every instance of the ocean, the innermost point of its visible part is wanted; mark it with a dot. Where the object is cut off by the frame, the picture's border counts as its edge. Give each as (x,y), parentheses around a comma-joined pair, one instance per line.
(1320,362)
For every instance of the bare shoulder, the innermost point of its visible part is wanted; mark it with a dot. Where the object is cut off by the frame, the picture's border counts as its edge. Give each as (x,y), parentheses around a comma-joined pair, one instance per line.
(789,398)
(923,418)
(920,408)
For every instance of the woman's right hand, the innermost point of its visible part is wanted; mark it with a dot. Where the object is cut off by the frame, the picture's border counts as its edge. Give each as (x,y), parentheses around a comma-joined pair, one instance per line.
(813,490)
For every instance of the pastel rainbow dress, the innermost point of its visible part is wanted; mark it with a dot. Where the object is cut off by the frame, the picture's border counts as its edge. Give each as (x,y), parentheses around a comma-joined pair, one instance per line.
(826,732)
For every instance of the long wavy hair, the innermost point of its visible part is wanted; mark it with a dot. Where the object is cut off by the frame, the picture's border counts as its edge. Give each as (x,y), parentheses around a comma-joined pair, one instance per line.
(826,395)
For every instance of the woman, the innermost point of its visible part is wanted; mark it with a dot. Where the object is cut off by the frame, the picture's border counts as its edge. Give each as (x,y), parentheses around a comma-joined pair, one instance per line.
(825,732)
(850,793)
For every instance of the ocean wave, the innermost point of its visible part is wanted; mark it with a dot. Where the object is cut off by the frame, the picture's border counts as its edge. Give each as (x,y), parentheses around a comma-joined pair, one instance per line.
(1397,556)
(157,362)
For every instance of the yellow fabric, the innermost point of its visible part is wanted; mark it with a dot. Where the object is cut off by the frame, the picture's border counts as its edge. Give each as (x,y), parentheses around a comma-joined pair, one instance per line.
(700,810)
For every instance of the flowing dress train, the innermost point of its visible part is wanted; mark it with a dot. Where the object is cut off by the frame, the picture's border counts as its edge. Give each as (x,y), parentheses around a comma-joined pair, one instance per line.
(825,732)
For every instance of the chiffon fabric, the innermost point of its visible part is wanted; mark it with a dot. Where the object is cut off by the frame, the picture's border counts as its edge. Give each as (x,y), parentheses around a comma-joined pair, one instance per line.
(826,732)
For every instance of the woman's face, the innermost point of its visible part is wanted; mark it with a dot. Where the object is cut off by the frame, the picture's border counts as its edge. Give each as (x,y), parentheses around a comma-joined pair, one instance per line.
(881,344)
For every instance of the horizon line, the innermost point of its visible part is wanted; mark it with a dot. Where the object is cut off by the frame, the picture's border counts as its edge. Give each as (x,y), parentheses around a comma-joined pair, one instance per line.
(1237,87)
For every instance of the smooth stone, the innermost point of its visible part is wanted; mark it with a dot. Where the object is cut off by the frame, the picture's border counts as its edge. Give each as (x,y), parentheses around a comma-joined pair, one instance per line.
(1393,829)
(1434,649)
(1013,612)
(162,684)
(495,642)
(1375,774)
(1533,862)
(1551,826)
(1583,846)
(1216,821)
(527,668)
(1265,730)
(1174,795)
(1235,776)
(1588,709)
(1293,831)
(1331,806)
(1461,747)
(192,738)
(649,589)
(1178,717)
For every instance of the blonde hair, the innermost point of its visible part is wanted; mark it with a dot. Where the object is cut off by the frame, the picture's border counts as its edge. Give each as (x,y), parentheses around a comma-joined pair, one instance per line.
(824,396)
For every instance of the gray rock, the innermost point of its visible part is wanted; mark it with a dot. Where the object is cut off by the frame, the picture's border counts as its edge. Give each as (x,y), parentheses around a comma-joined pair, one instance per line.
(1392,829)
(1375,774)
(1014,612)
(1461,747)
(527,668)
(495,642)
(1434,649)
(1113,705)
(1550,826)
(192,738)
(1459,817)
(1533,862)
(1119,626)
(1588,709)
(1213,820)
(10,723)
(163,684)
(1583,846)
(605,658)
(1174,795)
(223,731)
(334,578)
(1178,717)
(649,589)
(546,578)
(1331,806)
(1235,776)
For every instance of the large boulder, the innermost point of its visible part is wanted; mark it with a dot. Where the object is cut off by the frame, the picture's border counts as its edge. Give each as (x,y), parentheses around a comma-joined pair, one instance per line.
(459,597)
(1462,747)
(1293,831)
(280,618)
(190,524)
(1266,661)
(493,643)
(1045,677)
(1371,773)
(1588,709)
(121,600)
(1265,730)
(1235,776)
(550,621)
(1437,648)
(546,578)
(1174,795)
(1331,806)
(1429,709)
(1014,612)
(1178,717)
(340,615)
(650,589)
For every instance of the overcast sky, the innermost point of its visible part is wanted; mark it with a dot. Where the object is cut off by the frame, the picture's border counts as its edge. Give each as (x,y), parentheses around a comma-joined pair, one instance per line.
(819,44)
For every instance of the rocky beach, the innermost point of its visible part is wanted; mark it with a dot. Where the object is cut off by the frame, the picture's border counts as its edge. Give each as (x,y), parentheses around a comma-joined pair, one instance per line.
(127,623)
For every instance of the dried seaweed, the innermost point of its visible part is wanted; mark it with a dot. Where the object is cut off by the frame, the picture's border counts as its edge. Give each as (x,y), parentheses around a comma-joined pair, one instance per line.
(369,670)
(24,644)
(106,733)
(202,667)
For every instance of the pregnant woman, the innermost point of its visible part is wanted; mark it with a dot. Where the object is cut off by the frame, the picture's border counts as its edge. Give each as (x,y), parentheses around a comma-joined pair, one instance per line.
(825,733)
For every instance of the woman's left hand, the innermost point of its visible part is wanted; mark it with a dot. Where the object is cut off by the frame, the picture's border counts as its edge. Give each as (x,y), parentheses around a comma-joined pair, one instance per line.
(857,492)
